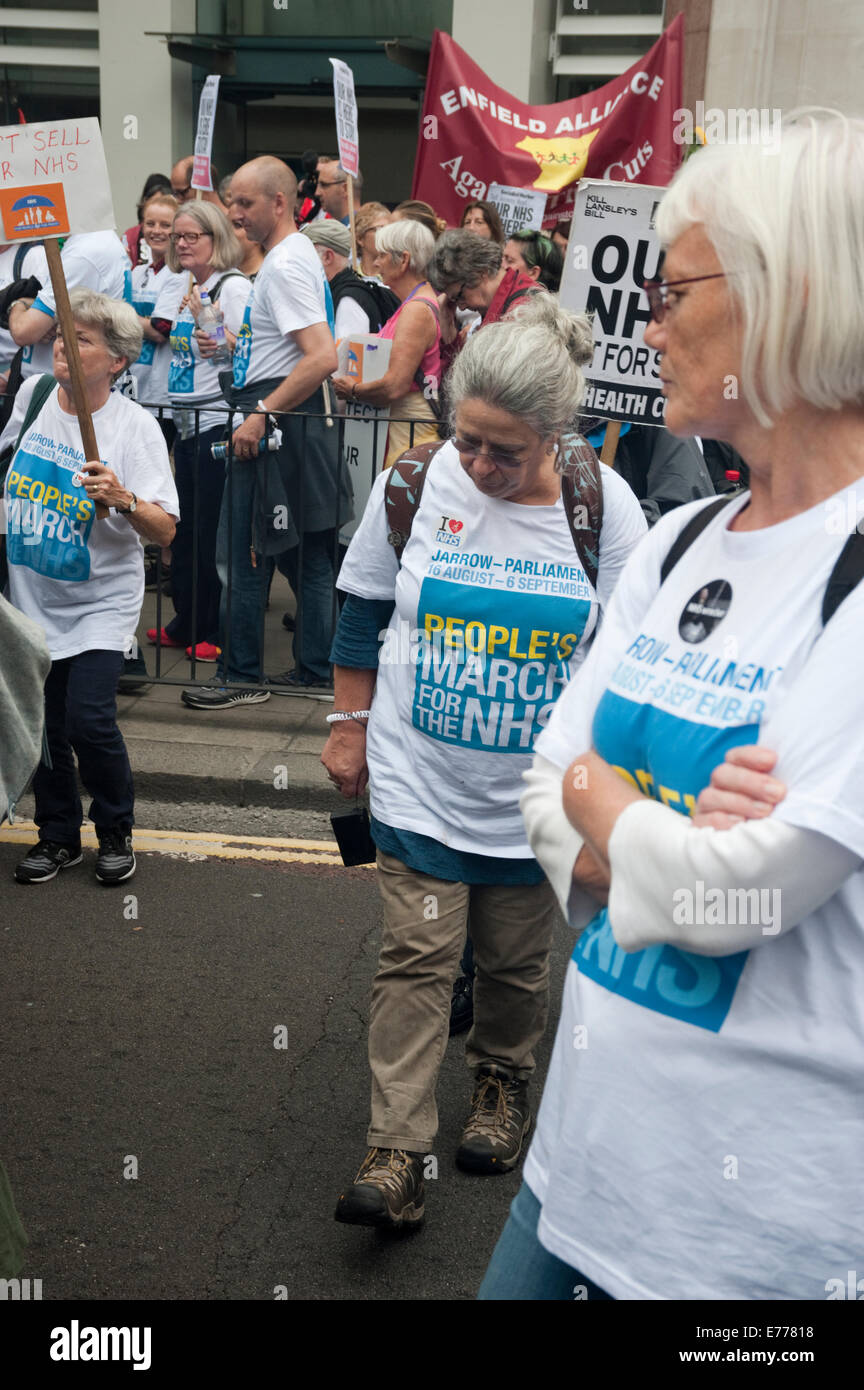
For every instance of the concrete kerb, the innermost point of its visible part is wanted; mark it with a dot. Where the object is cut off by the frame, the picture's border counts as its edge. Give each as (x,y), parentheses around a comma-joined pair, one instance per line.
(256,755)
(264,755)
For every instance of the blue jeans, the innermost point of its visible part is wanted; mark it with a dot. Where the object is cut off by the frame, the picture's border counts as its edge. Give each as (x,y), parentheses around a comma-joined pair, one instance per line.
(310,572)
(521,1269)
(81,715)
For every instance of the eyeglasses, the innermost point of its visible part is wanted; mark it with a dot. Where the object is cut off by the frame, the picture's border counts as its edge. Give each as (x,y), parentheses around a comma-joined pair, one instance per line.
(457,294)
(191,237)
(332,183)
(181,192)
(469,450)
(658,290)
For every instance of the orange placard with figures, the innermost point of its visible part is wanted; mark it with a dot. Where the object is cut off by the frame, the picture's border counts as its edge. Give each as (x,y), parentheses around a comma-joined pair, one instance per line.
(33,212)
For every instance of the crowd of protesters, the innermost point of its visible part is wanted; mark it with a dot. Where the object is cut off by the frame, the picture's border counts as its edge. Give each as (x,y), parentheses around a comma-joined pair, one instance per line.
(644,780)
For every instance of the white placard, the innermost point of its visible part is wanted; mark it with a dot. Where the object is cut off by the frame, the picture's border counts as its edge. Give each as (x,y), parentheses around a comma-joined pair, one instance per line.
(346,117)
(613,247)
(520,209)
(365,357)
(204,134)
(53,180)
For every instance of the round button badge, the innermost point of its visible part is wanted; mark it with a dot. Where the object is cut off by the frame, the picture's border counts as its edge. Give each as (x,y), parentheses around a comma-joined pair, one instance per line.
(707,607)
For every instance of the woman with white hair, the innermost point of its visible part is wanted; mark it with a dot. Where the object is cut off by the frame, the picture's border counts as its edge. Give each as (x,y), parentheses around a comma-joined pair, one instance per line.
(701,1129)
(81,576)
(411,383)
(498,578)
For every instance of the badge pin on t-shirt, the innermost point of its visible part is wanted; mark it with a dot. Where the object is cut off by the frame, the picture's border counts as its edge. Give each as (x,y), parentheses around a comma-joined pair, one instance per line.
(704,610)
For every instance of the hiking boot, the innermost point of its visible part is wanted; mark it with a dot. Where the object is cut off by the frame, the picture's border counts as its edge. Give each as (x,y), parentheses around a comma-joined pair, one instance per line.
(462,1005)
(387,1191)
(498,1124)
(45,860)
(115,861)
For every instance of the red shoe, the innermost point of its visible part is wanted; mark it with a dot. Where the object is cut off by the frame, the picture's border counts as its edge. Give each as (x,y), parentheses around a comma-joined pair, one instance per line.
(161,639)
(205,651)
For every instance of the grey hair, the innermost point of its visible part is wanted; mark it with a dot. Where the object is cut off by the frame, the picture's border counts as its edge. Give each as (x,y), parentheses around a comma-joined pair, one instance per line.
(463,258)
(212,220)
(117,321)
(787,224)
(529,364)
(398,237)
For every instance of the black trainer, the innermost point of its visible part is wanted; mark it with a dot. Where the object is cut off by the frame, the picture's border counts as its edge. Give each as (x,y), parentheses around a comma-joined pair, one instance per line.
(45,860)
(462,1005)
(291,681)
(115,861)
(217,695)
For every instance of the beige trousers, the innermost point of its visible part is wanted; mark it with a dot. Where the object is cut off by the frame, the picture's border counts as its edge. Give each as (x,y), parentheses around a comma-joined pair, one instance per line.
(423,937)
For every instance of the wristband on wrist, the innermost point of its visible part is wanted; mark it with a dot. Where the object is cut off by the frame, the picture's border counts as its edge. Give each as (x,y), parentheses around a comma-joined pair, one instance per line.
(270,416)
(354,391)
(361,715)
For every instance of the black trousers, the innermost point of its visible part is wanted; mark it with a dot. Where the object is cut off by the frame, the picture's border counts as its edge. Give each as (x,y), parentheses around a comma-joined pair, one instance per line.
(81,719)
(195,586)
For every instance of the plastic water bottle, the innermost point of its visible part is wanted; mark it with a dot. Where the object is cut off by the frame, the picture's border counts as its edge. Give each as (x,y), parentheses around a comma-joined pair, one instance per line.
(211,322)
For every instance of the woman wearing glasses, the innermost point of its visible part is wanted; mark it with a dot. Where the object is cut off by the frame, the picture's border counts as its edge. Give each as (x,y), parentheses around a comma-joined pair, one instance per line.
(701,1130)
(410,384)
(494,609)
(204,248)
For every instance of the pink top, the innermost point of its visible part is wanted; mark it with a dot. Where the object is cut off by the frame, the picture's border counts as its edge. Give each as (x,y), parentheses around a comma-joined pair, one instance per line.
(430,366)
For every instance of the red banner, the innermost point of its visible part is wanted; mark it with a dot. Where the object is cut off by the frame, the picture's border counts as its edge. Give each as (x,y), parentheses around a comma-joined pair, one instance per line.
(474,133)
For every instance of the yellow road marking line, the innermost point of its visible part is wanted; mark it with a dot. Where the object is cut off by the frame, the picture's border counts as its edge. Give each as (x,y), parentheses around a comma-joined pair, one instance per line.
(204,844)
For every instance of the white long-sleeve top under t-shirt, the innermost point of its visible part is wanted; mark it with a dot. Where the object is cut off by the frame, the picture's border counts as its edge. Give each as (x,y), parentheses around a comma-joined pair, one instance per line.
(706,1075)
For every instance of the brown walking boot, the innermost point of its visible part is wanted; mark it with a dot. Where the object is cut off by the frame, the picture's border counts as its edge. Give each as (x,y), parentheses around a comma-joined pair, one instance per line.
(387,1191)
(498,1124)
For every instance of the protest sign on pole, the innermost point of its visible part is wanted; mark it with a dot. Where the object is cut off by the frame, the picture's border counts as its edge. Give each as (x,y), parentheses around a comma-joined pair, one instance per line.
(365,357)
(53,183)
(473,133)
(347,134)
(613,247)
(520,209)
(204,136)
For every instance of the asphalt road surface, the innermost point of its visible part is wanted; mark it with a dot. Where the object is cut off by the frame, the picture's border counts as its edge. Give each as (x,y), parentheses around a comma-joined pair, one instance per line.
(137,1030)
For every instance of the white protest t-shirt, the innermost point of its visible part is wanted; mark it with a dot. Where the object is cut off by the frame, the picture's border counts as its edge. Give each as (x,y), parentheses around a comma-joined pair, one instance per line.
(80,579)
(702,1125)
(151,369)
(501,589)
(193,379)
(91,261)
(290,293)
(33,262)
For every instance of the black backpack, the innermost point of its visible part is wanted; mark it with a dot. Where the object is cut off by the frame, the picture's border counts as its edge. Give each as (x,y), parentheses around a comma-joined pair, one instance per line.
(377,302)
(846,573)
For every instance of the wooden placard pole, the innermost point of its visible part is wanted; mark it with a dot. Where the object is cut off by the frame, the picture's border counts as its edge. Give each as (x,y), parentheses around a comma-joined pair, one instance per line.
(610,443)
(351,222)
(70,348)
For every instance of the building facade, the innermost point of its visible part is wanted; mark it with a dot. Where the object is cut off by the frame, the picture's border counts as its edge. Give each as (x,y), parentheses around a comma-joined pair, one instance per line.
(140,67)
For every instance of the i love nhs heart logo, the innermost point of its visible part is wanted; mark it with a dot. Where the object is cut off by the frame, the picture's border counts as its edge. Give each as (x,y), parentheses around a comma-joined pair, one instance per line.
(448,531)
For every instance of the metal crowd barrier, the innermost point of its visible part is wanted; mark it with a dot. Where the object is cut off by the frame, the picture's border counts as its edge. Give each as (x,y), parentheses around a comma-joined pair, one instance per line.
(361,447)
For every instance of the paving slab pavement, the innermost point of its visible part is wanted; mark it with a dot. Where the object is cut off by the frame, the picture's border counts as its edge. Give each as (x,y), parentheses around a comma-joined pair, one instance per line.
(258,755)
